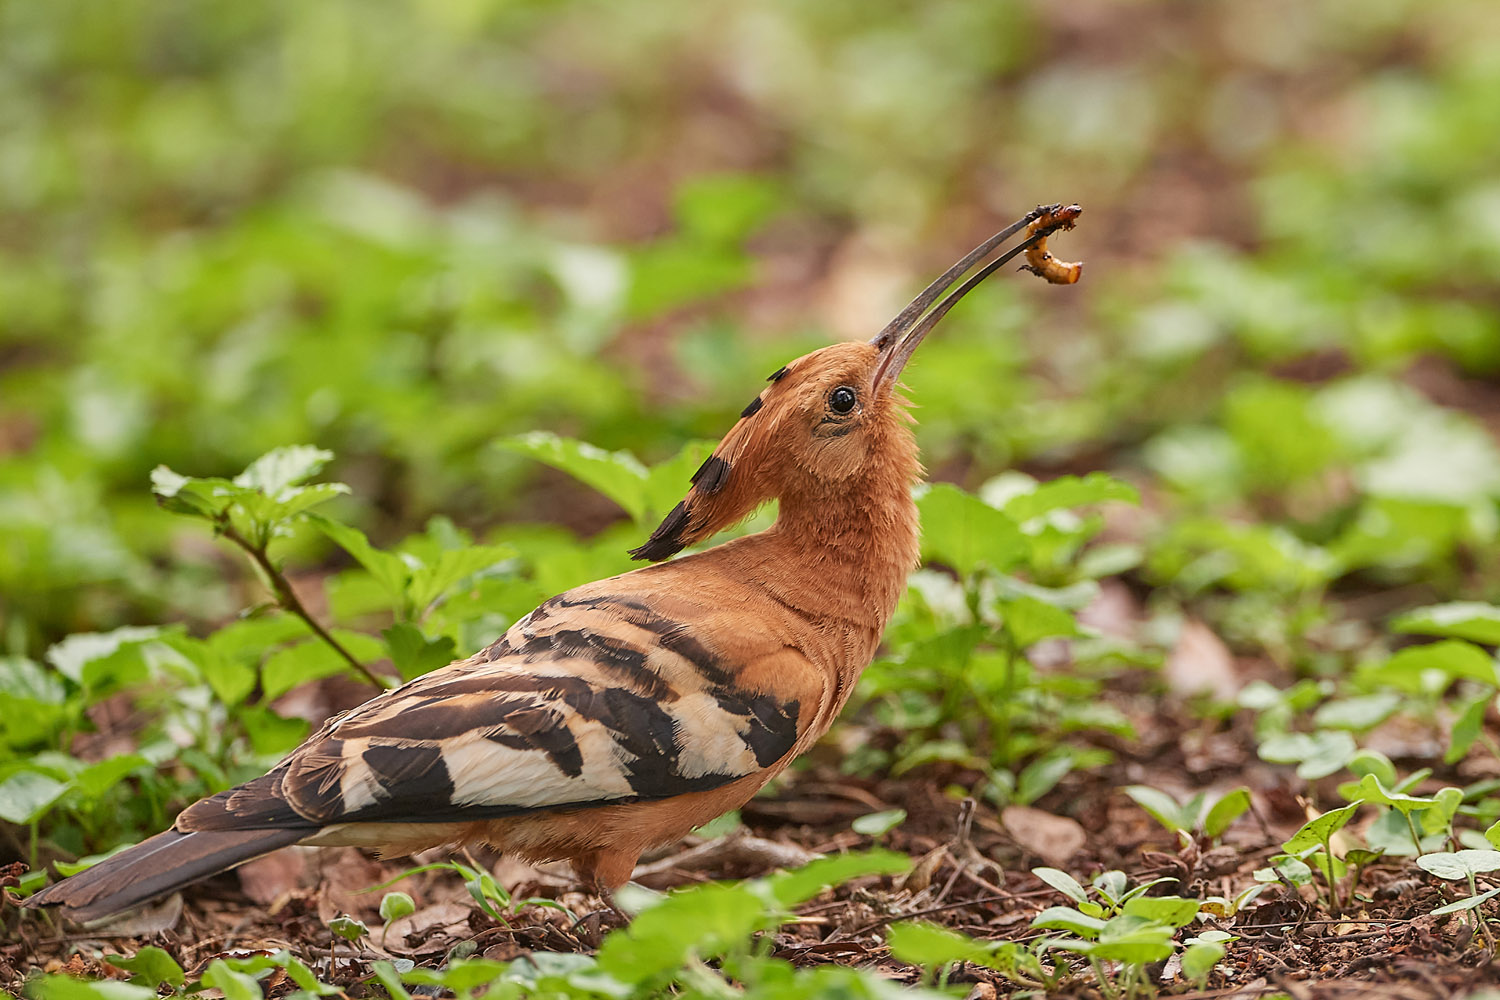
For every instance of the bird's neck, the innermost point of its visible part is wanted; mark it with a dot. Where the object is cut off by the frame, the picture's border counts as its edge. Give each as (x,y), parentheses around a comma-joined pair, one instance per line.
(844,551)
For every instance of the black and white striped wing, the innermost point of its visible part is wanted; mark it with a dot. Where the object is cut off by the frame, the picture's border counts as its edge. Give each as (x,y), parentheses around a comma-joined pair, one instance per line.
(576,706)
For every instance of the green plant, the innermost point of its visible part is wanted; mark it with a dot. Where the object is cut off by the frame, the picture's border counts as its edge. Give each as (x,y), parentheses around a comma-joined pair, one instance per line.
(1465,865)
(1017,549)
(1194,816)
(1124,926)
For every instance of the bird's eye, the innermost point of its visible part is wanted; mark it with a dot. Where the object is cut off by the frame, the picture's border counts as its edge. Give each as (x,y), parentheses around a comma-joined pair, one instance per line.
(841,400)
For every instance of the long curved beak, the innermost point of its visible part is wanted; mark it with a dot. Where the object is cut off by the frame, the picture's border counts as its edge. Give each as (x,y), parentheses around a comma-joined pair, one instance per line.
(902,335)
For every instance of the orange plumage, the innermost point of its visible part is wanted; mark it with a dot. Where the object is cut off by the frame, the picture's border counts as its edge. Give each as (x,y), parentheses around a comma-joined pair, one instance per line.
(619,715)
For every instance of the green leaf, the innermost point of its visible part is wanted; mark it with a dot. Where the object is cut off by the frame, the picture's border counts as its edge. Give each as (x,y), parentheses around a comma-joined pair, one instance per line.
(1042,775)
(60,987)
(1451,659)
(280,468)
(395,905)
(1469,620)
(705,921)
(300,974)
(98,778)
(27,795)
(388,569)
(1467,903)
(1069,491)
(933,947)
(77,651)
(1371,789)
(247,639)
(1316,831)
(295,501)
(1065,918)
(486,892)
(725,208)
(1390,833)
(1492,834)
(307,661)
(1358,714)
(1466,728)
(1111,884)
(619,475)
(1066,884)
(390,981)
(269,733)
(675,271)
(430,582)
(235,985)
(1327,865)
(1445,806)
(788,889)
(878,823)
(1162,807)
(1129,938)
(1295,870)
(1372,762)
(414,654)
(1229,808)
(719,826)
(231,680)
(1358,857)
(348,928)
(151,966)
(196,497)
(68,869)
(1316,756)
(1144,888)
(293,665)
(1028,621)
(1199,959)
(965,533)
(1459,864)
(1172,910)
(25,680)
(1224,908)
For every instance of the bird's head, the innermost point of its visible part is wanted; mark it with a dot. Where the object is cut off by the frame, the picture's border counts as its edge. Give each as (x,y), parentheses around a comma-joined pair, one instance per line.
(828,425)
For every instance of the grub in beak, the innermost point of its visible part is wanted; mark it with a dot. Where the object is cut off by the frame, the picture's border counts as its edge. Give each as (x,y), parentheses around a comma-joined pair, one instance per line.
(901,337)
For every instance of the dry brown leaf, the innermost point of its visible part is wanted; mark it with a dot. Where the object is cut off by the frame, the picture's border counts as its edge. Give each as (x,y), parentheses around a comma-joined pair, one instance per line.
(448,919)
(265,879)
(920,876)
(343,872)
(1113,611)
(1054,839)
(1200,664)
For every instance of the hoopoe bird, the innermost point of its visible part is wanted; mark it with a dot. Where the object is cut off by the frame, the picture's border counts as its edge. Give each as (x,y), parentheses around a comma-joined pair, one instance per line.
(618,716)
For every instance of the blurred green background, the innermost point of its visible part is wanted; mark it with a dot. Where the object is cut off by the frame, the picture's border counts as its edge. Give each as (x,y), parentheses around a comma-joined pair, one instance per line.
(400,230)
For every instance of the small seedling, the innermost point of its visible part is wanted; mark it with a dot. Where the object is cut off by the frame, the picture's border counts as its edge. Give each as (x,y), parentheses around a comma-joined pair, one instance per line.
(1195,815)
(394,906)
(1466,865)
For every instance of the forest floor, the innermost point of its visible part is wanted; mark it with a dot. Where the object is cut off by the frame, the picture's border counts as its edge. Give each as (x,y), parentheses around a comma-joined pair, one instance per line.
(971,873)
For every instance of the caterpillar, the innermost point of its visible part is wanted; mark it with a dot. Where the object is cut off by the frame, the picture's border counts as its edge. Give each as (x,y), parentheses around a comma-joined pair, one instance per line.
(1039,260)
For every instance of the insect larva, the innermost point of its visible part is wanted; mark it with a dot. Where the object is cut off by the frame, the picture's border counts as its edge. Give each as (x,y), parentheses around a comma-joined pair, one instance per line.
(1039,260)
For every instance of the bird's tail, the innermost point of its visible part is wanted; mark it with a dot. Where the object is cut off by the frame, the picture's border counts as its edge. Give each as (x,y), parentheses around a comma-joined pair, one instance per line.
(158,865)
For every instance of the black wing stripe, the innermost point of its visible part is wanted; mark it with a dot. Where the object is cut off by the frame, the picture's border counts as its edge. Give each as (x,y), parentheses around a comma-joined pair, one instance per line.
(589,700)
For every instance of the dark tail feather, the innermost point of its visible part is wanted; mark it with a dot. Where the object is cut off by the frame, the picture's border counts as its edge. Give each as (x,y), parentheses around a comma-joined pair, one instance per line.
(157,866)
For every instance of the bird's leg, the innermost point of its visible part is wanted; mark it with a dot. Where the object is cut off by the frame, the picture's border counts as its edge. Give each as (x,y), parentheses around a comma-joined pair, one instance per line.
(607,897)
(601,872)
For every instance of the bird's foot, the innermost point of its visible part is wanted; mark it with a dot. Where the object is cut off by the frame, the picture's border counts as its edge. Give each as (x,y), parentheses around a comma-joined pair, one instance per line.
(592,926)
